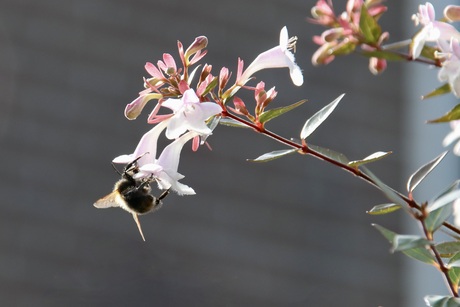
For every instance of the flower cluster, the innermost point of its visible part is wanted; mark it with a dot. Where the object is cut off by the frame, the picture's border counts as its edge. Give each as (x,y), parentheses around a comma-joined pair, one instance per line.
(357,26)
(196,106)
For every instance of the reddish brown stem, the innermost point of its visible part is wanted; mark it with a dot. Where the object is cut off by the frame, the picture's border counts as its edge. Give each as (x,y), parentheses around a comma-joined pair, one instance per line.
(303,148)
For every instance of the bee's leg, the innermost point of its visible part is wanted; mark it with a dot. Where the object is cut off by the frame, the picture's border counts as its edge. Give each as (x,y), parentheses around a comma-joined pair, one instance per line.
(142,185)
(163,195)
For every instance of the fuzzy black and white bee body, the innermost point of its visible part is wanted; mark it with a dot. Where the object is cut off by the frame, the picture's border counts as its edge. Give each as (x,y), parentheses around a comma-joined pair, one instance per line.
(132,195)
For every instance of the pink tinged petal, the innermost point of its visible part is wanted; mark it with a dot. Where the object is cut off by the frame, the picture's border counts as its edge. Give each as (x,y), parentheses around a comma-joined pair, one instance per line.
(430,13)
(173,104)
(239,71)
(418,42)
(123,159)
(323,55)
(169,158)
(133,109)
(377,66)
(148,143)
(176,126)
(190,97)
(200,43)
(209,109)
(452,13)
(196,143)
(169,61)
(154,71)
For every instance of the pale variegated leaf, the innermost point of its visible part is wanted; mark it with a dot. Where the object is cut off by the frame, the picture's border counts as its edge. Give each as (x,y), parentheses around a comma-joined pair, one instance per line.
(371,158)
(442,301)
(444,200)
(313,122)
(384,209)
(273,155)
(423,171)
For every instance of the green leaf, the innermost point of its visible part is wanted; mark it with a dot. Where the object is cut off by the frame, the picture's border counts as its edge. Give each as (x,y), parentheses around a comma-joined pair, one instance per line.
(454,269)
(210,86)
(313,122)
(374,157)
(384,209)
(445,200)
(453,114)
(343,49)
(445,89)
(442,301)
(389,192)
(423,171)
(226,121)
(369,26)
(437,217)
(405,242)
(273,155)
(336,156)
(429,52)
(419,253)
(382,54)
(440,215)
(448,249)
(271,114)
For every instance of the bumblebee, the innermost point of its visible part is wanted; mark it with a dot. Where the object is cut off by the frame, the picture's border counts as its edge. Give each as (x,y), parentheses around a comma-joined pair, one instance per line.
(132,195)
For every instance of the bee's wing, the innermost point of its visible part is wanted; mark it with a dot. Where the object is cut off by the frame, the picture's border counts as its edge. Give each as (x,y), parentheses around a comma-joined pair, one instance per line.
(110,200)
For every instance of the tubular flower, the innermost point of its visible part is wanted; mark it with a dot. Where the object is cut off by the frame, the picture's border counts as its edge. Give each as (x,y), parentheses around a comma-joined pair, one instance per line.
(277,57)
(164,169)
(453,136)
(189,114)
(432,30)
(450,70)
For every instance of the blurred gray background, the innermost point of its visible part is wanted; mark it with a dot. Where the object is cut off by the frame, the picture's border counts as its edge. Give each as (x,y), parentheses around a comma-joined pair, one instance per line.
(292,232)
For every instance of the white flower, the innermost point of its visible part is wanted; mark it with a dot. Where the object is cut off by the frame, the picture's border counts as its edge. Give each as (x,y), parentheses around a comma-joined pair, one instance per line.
(432,30)
(277,57)
(453,136)
(165,168)
(189,114)
(450,70)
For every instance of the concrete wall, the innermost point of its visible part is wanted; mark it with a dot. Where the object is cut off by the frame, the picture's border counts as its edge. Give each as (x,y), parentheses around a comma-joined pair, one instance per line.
(292,232)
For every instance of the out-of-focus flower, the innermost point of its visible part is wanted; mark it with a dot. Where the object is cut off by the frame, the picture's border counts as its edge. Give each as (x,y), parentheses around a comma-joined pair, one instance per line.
(344,31)
(452,13)
(277,57)
(377,66)
(432,30)
(450,70)
(456,212)
(188,114)
(453,136)
(323,13)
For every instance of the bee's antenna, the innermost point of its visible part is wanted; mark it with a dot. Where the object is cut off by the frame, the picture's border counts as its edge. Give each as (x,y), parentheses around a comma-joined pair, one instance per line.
(113,165)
